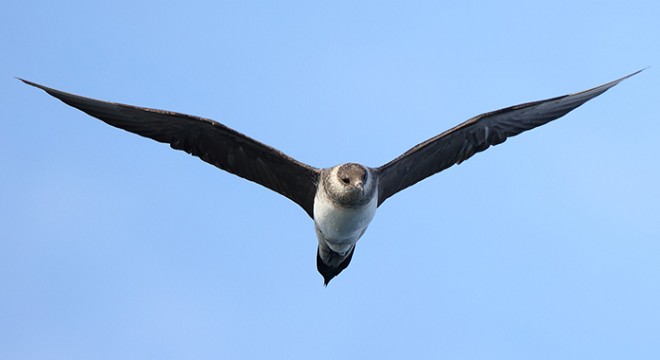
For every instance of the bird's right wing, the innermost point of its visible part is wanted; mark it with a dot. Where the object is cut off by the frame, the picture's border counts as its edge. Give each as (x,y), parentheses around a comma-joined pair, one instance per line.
(210,141)
(477,134)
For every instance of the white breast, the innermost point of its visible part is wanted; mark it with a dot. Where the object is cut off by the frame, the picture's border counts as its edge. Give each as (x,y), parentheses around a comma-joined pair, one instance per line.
(341,227)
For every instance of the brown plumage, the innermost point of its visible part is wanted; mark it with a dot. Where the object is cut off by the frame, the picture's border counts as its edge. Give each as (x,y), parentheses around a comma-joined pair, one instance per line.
(342,200)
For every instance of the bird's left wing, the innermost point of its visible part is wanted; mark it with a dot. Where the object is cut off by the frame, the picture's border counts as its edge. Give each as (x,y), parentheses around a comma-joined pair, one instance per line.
(477,134)
(210,141)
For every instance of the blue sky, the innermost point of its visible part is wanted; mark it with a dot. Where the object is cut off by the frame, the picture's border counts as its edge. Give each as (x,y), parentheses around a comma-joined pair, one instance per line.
(117,247)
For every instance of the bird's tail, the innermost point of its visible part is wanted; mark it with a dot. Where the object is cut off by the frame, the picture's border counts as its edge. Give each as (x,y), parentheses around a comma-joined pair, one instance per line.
(330,263)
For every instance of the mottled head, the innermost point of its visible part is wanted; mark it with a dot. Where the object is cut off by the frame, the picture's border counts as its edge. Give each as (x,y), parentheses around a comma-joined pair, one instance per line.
(349,184)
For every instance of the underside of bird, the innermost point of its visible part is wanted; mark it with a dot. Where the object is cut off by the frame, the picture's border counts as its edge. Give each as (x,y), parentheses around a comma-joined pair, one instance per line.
(252,160)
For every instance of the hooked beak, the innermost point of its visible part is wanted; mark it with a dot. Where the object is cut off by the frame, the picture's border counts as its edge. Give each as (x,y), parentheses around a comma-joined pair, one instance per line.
(359,185)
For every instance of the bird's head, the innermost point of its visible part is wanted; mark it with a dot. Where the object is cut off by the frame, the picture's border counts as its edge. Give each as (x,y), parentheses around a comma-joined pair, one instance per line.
(349,184)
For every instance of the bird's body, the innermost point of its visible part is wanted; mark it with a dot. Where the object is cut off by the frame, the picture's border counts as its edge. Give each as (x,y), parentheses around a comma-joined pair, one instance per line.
(342,200)
(340,224)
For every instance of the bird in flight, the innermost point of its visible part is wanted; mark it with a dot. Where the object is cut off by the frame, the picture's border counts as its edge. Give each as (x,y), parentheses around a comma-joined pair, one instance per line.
(341,200)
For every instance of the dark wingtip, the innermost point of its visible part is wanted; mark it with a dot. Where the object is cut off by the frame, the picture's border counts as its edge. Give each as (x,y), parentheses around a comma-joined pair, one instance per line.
(25,81)
(630,75)
(38,86)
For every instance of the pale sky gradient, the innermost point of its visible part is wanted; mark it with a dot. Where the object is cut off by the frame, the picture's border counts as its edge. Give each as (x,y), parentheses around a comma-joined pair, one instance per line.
(113,246)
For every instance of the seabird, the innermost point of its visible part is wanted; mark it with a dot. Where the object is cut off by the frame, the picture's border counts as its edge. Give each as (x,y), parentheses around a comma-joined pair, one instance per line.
(342,200)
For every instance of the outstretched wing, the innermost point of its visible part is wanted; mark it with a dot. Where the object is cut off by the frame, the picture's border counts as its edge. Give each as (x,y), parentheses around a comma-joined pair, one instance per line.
(210,141)
(477,134)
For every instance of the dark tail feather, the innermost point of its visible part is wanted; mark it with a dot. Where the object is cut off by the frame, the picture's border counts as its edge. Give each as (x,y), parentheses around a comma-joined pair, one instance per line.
(330,271)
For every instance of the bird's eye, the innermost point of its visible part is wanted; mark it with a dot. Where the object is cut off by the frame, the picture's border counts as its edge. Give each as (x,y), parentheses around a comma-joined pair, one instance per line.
(346,180)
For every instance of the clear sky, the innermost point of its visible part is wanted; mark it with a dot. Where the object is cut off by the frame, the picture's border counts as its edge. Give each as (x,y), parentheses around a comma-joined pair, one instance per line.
(113,246)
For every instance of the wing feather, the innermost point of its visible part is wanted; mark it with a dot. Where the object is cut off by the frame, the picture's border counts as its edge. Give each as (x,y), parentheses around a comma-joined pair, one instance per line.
(209,140)
(475,135)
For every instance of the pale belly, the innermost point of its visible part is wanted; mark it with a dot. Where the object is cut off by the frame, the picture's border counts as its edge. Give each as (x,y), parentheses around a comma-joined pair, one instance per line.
(341,227)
